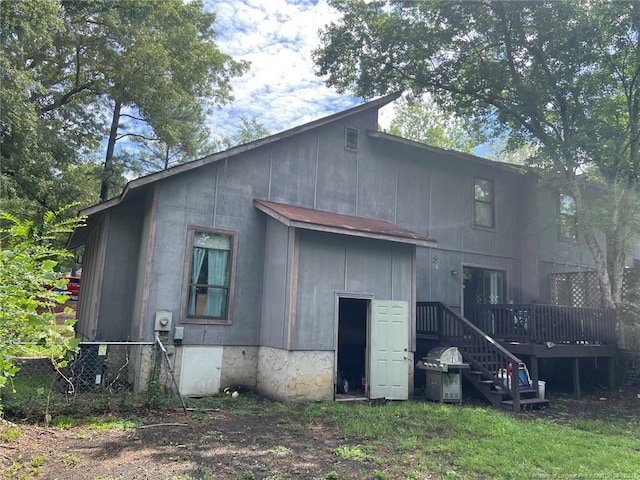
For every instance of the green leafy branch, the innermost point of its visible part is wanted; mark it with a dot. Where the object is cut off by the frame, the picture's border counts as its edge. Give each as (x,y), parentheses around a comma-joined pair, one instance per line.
(30,290)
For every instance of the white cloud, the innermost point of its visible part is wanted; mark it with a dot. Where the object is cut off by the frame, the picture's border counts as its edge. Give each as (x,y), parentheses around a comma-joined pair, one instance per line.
(281,89)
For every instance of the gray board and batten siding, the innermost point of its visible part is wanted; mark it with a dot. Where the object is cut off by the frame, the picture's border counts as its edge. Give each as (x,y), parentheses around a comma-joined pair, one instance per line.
(285,278)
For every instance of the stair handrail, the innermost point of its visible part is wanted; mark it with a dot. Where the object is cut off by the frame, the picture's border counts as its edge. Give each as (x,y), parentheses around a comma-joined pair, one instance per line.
(481,346)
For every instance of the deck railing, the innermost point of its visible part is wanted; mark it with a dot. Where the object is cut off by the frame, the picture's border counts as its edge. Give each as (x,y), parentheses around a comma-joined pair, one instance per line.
(536,323)
(478,349)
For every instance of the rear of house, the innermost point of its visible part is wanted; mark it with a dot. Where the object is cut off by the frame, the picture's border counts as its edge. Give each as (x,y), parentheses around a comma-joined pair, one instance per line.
(294,264)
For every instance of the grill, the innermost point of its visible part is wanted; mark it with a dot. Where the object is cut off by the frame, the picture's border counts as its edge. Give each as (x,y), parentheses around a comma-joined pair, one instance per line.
(443,381)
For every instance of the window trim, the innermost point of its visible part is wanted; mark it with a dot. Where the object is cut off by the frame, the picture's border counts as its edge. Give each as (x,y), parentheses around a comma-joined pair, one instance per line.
(492,204)
(567,220)
(185,318)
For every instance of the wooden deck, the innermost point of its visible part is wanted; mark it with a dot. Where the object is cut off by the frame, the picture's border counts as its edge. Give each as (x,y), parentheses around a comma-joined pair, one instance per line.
(492,336)
(545,324)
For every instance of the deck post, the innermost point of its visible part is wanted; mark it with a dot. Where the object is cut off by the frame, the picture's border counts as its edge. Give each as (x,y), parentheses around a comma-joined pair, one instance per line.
(612,373)
(533,361)
(576,377)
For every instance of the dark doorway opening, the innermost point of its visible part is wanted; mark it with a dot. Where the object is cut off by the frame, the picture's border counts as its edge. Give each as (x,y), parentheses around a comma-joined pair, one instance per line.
(352,347)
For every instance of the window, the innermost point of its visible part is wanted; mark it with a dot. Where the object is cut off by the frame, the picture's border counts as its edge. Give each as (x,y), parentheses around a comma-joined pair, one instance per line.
(567,225)
(210,274)
(484,203)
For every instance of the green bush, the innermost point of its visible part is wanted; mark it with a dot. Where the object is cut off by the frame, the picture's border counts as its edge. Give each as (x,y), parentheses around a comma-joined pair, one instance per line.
(29,291)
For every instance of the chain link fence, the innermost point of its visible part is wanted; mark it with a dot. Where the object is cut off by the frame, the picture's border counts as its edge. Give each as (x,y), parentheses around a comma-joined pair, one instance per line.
(101,376)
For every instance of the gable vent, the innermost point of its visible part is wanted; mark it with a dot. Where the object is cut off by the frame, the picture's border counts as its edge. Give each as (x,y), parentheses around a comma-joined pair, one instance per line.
(351,139)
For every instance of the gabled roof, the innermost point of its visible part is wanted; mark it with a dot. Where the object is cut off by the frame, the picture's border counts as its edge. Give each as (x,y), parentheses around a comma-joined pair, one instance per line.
(318,220)
(154,177)
(79,235)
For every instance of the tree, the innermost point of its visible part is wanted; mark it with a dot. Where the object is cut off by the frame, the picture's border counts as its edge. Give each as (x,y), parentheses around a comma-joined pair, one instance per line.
(28,261)
(422,121)
(42,132)
(157,64)
(562,76)
(161,56)
(78,77)
(182,138)
(250,129)
(500,150)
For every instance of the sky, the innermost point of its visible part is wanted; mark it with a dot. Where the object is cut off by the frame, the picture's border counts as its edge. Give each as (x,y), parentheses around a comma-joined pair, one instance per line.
(280,90)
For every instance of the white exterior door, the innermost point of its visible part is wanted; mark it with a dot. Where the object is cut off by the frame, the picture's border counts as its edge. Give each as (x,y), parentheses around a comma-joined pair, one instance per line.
(389,352)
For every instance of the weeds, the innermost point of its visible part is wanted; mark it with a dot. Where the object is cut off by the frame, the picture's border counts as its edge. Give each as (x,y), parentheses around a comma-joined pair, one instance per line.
(63,422)
(69,459)
(211,435)
(354,452)
(10,434)
(113,424)
(38,461)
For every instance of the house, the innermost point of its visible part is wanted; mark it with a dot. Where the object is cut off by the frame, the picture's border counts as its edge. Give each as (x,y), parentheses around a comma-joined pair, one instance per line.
(295,264)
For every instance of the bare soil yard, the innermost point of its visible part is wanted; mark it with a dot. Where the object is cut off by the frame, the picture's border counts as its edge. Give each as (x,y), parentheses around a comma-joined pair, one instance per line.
(235,440)
(228,443)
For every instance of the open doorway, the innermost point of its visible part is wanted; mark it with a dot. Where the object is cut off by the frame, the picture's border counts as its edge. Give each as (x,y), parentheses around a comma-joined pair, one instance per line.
(351,368)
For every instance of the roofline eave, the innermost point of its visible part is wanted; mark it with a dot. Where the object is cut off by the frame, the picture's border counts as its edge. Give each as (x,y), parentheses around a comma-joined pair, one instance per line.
(508,167)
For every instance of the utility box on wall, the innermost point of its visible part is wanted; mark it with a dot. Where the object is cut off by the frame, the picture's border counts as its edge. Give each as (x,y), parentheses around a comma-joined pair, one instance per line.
(163,320)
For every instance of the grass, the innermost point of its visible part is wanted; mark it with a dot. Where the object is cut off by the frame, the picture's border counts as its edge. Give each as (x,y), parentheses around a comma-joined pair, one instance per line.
(9,434)
(417,439)
(213,436)
(113,424)
(479,442)
(355,452)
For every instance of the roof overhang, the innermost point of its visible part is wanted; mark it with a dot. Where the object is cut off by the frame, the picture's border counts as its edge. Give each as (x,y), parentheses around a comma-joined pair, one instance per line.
(80,235)
(309,219)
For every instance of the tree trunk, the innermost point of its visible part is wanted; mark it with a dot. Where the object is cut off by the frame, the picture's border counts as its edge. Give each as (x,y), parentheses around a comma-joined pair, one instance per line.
(617,244)
(599,257)
(107,171)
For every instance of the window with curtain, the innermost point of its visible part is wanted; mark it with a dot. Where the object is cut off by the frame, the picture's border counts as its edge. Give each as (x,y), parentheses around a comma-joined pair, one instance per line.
(484,203)
(568,225)
(210,275)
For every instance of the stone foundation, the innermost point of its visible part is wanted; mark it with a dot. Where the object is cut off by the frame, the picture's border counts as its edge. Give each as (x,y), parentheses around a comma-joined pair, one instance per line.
(295,375)
(276,373)
(239,367)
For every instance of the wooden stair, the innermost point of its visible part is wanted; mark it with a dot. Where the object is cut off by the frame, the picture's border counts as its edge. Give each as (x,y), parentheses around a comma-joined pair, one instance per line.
(485,356)
(499,397)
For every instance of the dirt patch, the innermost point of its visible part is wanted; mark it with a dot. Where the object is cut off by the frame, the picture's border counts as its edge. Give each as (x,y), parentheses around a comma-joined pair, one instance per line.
(620,405)
(229,443)
(225,443)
